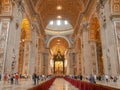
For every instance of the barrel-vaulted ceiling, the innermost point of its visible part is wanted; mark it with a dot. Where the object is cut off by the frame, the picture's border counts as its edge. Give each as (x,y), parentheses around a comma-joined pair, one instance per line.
(51,9)
(66,10)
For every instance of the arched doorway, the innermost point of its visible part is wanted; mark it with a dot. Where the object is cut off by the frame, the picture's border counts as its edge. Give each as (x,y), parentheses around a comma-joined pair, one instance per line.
(95,39)
(58,48)
(24,47)
(99,54)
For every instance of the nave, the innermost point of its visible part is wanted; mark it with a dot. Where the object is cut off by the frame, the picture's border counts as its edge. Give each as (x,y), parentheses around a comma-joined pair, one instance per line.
(59,37)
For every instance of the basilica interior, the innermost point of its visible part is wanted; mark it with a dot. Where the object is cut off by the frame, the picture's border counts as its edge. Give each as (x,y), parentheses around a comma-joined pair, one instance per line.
(60,38)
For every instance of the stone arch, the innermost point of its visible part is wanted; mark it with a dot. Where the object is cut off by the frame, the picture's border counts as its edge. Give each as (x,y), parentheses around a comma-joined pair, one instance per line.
(25,38)
(56,37)
(95,36)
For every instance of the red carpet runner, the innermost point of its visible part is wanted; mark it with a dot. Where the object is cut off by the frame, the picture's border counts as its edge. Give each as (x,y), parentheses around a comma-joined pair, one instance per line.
(44,86)
(81,85)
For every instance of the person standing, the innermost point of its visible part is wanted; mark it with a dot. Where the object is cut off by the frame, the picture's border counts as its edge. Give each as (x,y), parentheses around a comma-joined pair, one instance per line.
(92,79)
(12,79)
(0,76)
(9,78)
(5,78)
(16,78)
(81,77)
(34,77)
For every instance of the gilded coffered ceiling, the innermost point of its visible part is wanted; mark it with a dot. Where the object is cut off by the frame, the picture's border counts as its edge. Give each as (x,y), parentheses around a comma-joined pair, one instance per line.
(68,9)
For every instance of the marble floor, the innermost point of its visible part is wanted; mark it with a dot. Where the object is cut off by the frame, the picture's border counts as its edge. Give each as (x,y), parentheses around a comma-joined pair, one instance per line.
(24,84)
(110,84)
(61,84)
(58,84)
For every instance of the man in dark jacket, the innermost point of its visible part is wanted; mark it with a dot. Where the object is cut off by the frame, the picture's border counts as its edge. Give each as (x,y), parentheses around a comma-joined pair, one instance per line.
(34,77)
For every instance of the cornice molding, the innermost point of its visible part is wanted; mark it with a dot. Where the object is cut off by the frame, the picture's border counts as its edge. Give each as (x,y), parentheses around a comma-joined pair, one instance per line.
(114,17)
(6,16)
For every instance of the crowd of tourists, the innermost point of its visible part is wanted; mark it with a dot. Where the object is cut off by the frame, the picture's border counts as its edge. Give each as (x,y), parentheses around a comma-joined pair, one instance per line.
(36,78)
(14,78)
(10,78)
(93,78)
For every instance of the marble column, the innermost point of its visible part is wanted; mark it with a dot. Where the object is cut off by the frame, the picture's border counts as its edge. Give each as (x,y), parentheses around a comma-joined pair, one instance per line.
(116,23)
(45,63)
(39,63)
(77,64)
(49,64)
(26,58)
(67,64)
(86,54)
(4,32)
(110,57)
(94,58)
(72,63)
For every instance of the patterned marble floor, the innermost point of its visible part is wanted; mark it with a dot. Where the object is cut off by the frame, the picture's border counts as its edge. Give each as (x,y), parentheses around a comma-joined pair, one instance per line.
(23,85)
(58,84)
(61,84)
(110,84)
